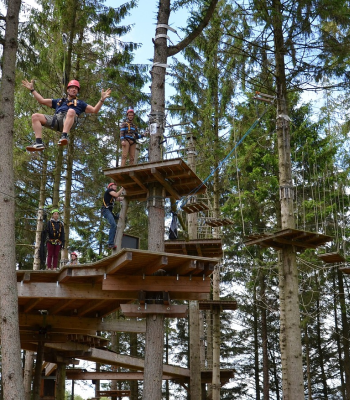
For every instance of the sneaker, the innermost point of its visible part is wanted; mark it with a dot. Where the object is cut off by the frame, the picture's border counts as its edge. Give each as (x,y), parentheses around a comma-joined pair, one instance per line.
(112,246)
(36,147)
(63,141)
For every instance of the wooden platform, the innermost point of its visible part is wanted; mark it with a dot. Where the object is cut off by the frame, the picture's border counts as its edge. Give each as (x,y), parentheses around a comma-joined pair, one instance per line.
(206,375)
(331,258)
(198,247)
(175,176)
(141,311)
(219,305)
(217,222)
(98,289)
(301,240)
(191,208)
(345,270)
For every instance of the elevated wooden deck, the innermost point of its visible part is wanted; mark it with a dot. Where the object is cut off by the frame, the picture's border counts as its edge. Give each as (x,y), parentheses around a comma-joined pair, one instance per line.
(97,289)
(175,176)
(197,247)
(301,240)
(331,258)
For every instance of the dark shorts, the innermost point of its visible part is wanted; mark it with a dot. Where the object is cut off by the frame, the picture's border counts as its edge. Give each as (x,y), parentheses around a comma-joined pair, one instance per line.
(56,124)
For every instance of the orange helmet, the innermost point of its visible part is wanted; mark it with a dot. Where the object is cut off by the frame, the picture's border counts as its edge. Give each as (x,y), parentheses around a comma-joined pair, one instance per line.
(130,111)
(111,184)
(73,83)
(74,254)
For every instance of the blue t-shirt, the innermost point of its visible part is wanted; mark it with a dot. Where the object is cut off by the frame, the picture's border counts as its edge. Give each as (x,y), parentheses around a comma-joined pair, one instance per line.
(66,104)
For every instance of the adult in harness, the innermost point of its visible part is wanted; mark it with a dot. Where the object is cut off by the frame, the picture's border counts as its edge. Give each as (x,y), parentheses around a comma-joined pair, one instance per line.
(128,136)
(110,196)
(66,115)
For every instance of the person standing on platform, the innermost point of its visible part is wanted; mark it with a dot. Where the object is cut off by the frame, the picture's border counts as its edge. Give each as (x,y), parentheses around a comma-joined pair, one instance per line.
(128,136)
(66,115)
(54,240)
(110,196)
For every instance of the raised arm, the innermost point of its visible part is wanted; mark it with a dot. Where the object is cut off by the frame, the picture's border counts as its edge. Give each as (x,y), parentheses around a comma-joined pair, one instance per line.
(117,194)
(38,97)
(97,108)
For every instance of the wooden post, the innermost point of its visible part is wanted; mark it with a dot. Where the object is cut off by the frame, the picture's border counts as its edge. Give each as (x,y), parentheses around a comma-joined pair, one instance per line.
(121,225)
(38,369)
(28,374)
(60,381)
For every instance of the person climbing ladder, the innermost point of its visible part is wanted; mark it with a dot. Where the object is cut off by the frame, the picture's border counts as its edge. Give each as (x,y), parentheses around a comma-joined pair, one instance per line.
(66,115)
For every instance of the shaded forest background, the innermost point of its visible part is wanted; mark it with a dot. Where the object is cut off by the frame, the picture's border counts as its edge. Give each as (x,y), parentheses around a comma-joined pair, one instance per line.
(214,82)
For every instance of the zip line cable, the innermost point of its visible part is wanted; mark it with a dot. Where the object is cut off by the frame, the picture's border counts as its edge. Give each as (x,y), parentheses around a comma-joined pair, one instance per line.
(194,191)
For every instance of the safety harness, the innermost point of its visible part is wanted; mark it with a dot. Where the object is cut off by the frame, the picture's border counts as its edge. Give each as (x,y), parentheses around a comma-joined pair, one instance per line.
(131,135)
(69,103)
(56,234)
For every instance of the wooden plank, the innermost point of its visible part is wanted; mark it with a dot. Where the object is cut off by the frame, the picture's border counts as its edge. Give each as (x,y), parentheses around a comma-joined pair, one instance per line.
(158,264)
(111,358)
(60,306)
(136,179)
(71,374)
(31,304)
(305,245)
(170,189)
(119,263)
(186,268)
(157,283)
(87,307)
(169,311)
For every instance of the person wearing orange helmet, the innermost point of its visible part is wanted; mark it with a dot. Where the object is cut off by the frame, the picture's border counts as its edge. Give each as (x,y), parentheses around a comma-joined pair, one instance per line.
(67,111)
(128,136)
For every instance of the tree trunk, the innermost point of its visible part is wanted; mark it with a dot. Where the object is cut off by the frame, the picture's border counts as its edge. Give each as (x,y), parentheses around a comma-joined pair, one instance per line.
(344,334)
(264,337)
(57,178)
(307,359)
(67,197)
(133,353)
(121,225)
(152,389)
(60,381)
(290,337)
(12,377)
(38,367)
(256,345)
(28,374)
(40,215)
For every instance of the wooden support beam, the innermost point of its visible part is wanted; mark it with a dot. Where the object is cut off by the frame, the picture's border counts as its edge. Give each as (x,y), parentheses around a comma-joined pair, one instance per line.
(88,306)
(57,322)
(119,263)
(165,184)
(136,179)
(187,267)
(159,264)
(31,304)
(60,306)
(169,311)
(111,358)
(116,376)
(171,284)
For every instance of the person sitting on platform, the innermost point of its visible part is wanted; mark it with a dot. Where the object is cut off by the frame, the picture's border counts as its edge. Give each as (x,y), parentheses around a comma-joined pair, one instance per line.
(55,239)
(66,116)
(73,259)
(128,136)
(110,196)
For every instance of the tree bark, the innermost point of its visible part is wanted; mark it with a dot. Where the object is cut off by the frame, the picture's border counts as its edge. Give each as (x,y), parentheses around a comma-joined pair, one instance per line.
(28,374)
(60,381)
(290,337)
(12,377)
(40,214)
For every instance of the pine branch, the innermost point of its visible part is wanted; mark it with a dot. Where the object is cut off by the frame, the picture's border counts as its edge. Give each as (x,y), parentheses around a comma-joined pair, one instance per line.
(172,50)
